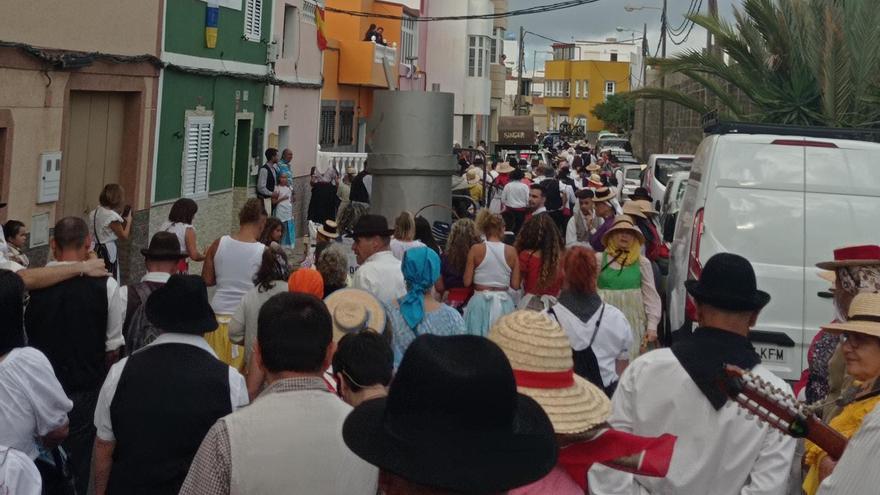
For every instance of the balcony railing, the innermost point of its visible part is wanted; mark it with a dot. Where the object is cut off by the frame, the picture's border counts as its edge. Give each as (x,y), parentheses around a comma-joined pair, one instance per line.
(340,161)
(365,63)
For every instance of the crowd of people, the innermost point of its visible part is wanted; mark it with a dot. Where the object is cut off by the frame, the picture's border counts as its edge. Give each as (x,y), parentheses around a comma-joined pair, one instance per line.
(517,352)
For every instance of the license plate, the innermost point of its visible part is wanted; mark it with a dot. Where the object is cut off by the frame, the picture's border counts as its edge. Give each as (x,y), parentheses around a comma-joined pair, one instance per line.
(772,353)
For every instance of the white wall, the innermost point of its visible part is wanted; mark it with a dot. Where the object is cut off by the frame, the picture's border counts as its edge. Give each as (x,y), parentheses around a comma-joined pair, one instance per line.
(448,57)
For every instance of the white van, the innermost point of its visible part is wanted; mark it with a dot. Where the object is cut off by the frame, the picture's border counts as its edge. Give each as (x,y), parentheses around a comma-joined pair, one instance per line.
(784,197)
(660,167)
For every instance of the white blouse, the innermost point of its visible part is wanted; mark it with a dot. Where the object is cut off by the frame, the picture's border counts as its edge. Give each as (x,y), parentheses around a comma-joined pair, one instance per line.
(32,402)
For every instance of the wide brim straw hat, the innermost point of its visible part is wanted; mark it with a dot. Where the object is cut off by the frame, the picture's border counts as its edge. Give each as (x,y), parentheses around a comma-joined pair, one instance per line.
(504,168)
(603,194)
(864,316)
(623,223)
(540,355)
(645,205)
(354,310)
(634,210)
(594,167)
(329,229)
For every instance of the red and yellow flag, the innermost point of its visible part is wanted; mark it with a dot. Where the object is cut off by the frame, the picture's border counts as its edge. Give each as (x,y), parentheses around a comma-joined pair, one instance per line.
(319,21)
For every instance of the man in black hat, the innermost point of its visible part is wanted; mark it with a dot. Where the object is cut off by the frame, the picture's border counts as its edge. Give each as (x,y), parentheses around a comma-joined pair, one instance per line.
(641,193)
(161,259)
(70,322)
(452,423)
(718,451)
(288,440)
(157,404)
(379,271)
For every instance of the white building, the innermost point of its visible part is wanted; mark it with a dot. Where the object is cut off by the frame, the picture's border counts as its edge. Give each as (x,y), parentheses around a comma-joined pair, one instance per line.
(459,61)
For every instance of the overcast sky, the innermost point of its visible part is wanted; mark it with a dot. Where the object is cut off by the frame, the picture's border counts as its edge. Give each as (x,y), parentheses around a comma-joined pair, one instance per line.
(600,20)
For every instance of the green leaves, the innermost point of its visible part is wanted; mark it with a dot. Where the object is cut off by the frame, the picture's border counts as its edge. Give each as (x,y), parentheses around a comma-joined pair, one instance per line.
(618,112)
(806,62)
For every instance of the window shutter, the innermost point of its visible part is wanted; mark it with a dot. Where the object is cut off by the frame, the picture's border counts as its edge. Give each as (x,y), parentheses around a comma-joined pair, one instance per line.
(197,156)
(253,16)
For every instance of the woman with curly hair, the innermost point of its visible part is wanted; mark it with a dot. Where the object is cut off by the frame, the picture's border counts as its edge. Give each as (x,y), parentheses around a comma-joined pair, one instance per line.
(332,264)
(540,251)
(492,269)
(271,237)
(453,261)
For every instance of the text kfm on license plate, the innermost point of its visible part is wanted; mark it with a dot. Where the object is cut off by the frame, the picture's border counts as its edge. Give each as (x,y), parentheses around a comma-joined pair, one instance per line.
(771,353)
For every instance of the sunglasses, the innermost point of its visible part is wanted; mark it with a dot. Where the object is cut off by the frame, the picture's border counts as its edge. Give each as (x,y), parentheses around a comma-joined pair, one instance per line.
(856,339)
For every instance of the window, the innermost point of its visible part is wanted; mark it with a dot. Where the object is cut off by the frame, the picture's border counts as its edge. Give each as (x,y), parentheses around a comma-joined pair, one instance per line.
(291,32)
(496,47)
(566,88)
(614,56)
(346,126)
(309,11)
(610,88)
(586,88)
(253,18)
(197,156)
(478,56)
(409,40)
(577,89)
(563,52)
(328,124)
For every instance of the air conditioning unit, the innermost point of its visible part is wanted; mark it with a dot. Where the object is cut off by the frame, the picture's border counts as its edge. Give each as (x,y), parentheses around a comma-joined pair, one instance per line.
(273,52)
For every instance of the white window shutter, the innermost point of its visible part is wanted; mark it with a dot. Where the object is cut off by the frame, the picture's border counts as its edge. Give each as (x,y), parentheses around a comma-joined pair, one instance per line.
(253,16)
(197,156)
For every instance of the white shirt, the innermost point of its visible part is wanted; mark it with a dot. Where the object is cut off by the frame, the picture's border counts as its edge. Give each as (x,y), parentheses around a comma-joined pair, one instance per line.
(381,276)
(99,221)
(32,402)
(178,229)
(717,452)
(120,300)
(540,209)
(515,195)
(856,472)
(398,248)
(612,342)
(571,237)
(235,264)
(18,474)
(237,389)
(114,338)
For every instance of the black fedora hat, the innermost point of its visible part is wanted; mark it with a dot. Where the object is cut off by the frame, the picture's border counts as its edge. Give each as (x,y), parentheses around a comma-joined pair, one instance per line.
(641,193)
(454,420)
(370,225)
(181,306)
(728,282)
(163,246)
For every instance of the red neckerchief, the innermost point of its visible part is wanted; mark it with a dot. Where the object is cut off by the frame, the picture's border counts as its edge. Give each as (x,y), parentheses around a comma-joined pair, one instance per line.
(645,456)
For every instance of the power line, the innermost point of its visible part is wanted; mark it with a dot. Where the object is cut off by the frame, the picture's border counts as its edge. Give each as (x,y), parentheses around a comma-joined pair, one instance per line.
(681,41)
(539,9)
(681,27)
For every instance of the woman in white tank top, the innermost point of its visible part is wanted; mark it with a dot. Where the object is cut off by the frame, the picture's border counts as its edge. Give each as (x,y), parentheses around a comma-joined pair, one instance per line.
(230,264)
(179,223)
(492,269)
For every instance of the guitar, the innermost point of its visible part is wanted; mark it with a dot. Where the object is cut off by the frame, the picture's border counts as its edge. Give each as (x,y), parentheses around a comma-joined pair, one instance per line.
(779,409)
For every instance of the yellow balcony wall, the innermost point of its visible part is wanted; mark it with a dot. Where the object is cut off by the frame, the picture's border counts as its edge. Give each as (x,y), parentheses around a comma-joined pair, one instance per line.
(361,63)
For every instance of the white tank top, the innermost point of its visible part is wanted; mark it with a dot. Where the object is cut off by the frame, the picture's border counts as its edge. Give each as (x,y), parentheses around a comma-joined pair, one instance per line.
(493,270)
(235,264)
(178,229)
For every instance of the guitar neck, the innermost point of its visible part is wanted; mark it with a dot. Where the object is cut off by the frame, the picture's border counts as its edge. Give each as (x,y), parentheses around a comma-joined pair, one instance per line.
(827,438)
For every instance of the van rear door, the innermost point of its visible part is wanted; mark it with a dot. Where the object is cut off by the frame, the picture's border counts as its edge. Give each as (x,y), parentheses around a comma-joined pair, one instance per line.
(842,201)
(755,208)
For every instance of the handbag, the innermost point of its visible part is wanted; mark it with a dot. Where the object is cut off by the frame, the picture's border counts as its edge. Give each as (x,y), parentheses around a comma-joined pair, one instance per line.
(586,364)
(55,472)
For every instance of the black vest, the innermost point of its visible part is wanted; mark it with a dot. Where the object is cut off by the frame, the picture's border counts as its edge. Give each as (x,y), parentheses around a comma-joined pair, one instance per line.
(270,180)
(168,397)
(68,323)
(358,190)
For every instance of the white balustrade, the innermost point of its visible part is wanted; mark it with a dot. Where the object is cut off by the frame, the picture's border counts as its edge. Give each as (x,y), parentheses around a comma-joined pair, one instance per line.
(340,161)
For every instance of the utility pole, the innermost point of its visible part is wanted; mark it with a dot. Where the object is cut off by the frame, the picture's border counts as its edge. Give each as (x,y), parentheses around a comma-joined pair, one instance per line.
(662,133)
(645,54)
(713,13)
(521,61)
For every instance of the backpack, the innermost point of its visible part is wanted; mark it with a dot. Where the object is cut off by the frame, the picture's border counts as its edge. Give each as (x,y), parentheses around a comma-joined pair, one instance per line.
(138,331)
(585,363)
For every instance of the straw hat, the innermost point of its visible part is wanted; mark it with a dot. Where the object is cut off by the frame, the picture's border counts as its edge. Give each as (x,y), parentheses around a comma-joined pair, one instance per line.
(634,210)
(595,181)
(646,206)
(329,230)
(354,310)
(603,194)
(472,177)
(864,316)
(540,355)
(504,168)
(594,167)
(852,256)
(829,276)
(623,223)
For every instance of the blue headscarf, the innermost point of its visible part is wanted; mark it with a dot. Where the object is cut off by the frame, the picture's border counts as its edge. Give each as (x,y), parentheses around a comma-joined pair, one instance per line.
(421,268)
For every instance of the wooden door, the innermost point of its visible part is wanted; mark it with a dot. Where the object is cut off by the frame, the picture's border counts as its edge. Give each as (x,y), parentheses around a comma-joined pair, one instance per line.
(93,152)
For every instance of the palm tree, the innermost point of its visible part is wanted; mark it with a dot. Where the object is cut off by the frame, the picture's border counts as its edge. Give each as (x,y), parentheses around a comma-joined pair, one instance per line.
(806,62)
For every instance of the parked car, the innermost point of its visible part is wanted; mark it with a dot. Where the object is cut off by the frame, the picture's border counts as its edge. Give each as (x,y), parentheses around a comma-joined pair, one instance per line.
(671,204)
(614,142)
(660,167)
(631,174)
(606,134)
(784,197)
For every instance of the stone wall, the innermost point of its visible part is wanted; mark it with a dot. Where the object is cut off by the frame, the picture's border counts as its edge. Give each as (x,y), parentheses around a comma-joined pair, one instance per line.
(683,129)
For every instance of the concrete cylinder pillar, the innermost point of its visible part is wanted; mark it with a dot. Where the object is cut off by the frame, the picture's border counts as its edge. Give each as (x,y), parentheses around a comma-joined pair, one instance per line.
(410,155)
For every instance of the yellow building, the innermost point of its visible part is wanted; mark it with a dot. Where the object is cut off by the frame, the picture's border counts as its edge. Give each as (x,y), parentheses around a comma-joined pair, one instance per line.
(572,88)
